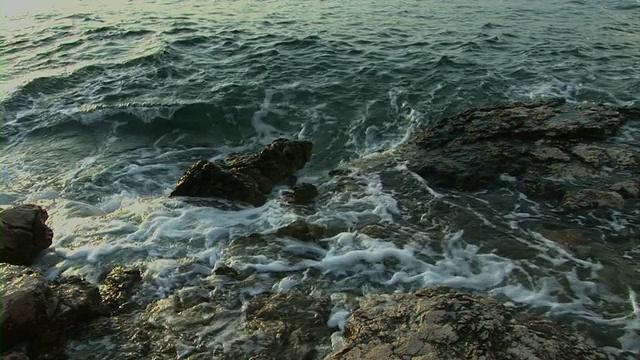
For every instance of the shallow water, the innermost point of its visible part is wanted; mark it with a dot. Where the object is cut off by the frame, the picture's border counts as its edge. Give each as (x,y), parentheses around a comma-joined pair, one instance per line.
(105,104)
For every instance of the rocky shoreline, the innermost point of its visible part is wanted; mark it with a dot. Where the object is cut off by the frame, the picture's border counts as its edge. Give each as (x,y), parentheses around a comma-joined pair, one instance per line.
(575,158)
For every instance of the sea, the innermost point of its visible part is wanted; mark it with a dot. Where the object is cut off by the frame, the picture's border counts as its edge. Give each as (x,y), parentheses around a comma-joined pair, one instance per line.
(104,105)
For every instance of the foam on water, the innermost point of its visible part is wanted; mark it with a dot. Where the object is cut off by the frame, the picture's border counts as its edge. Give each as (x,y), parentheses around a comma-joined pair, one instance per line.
(160,233)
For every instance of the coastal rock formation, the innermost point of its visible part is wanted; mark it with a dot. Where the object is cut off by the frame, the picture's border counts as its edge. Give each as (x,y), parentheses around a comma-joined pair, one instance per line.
(302,230)
(200,323)
(287,325)
(24,234)
(550,149)
(302,194)
(443,323)
(248,178)
(118,287)
(32,306)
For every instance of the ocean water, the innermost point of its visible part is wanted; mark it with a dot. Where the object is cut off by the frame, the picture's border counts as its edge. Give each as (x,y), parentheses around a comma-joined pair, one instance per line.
(105,103)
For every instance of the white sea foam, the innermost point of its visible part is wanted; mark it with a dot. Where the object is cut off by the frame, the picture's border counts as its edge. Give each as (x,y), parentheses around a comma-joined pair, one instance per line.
(266,132)
(44,194)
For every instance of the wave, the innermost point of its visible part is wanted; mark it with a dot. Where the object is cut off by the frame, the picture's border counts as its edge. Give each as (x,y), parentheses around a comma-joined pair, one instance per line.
(114,32)
(214,120)
(192,40)
(298,44)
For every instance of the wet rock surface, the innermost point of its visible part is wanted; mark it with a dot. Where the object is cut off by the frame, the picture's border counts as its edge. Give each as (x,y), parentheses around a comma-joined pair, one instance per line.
(36,310)
(302,194)
(202,323)
(549,148)
(442,323)
(23,234)
(118,288)
(296,323)
(302,230)
(248,178)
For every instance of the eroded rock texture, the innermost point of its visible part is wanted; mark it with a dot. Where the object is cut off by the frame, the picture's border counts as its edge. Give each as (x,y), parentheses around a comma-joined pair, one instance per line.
(442,323)
(248,178)
(23,234)
(32,306)
(200,323)
(551,149)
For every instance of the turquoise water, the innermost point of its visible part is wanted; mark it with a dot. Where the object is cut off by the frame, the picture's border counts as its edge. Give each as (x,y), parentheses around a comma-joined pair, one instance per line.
(104,104)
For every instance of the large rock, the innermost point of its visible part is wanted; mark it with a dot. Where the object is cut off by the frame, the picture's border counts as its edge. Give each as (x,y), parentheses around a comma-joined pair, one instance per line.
(548,147)
(248,178)
(32,306)
(23,234)
(202,323)
(442,323)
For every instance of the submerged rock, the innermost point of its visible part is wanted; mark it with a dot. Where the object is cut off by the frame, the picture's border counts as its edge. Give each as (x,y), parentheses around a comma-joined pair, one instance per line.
(24,234)
(443,323)
(32,307)
(302,230)
(287,325)
(302,194)
(247,178)
(118,288)
(203,323)
(590,198)
(547,146)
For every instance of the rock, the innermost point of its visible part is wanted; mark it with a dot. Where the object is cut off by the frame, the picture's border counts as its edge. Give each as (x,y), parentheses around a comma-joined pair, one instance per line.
(590,198)
(248,178)
(31,306)
(118,287)
(28,304)
(548,146)
(24,234)
(302,230)
(78,301)
(288,325)
(626,188)
(226,270)
(303,193)
(442,323)
(568,238)
(589,154)
(206,322)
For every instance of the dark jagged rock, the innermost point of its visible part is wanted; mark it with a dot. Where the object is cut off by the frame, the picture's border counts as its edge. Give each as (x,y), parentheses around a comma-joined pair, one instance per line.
(118,287)
(442,323)
(247,178)
(302,230)
(28,303)
(548,147)
(33,309)
(24,234)
(302,194)
(78,301)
